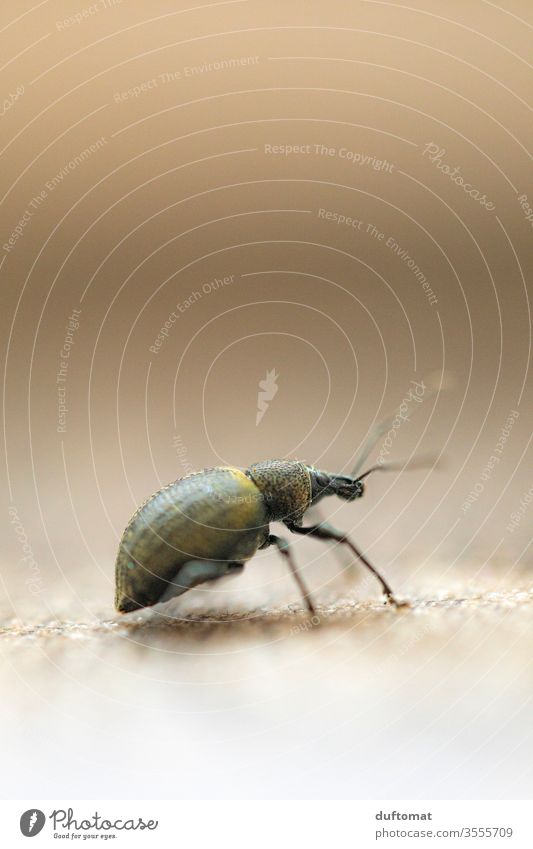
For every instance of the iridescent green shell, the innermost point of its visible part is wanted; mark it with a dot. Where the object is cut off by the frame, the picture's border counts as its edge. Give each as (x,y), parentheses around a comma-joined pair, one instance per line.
(215,514)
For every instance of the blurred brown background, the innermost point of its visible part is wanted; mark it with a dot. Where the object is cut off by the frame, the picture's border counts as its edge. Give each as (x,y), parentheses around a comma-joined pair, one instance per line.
(195,160)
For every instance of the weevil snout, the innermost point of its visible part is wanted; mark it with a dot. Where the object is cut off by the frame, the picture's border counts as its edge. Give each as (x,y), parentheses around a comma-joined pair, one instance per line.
(355,490)
(344,486)
(347,488)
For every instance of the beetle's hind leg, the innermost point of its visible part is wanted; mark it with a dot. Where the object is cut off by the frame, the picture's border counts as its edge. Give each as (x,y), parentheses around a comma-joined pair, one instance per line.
(198,572)
(284,549)
(326,531)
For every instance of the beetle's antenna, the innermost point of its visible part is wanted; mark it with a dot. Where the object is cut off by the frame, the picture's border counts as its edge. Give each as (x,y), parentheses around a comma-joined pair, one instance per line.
(422,463)
(377,431)
(436,383)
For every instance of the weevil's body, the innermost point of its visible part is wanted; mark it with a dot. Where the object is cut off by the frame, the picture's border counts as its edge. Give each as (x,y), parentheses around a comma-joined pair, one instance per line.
(207,525)
(218,517)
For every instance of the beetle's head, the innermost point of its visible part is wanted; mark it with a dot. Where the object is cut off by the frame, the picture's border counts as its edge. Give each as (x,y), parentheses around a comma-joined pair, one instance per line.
(325,483)
(350,487)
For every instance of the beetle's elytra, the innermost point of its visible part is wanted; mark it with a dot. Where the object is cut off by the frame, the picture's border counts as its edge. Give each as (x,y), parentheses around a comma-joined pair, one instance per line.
(208,524)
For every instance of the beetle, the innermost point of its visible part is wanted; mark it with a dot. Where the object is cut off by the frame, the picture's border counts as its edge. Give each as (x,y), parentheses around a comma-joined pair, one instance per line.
(208,524)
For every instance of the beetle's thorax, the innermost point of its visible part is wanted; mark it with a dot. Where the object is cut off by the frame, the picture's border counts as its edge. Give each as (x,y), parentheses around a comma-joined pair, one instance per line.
(285,486)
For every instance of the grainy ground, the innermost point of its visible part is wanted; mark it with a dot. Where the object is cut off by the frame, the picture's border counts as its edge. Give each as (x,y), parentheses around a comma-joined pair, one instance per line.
(363,701)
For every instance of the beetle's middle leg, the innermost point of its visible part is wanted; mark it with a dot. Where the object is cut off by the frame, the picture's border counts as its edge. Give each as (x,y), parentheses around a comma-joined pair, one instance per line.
(284,549)
(326,531)
(198,572)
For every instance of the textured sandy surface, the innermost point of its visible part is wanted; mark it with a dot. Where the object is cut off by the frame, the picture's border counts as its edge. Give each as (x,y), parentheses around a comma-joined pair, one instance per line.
(363,701)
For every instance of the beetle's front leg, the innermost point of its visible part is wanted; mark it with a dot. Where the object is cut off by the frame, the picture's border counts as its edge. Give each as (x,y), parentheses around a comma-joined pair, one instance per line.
(325,531)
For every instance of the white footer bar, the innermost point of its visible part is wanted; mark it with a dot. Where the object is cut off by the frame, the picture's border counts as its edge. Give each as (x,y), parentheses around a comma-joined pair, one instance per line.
(267,824)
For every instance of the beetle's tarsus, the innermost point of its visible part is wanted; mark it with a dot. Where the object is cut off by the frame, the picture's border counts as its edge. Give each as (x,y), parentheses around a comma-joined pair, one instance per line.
(310,606)
(397,604)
